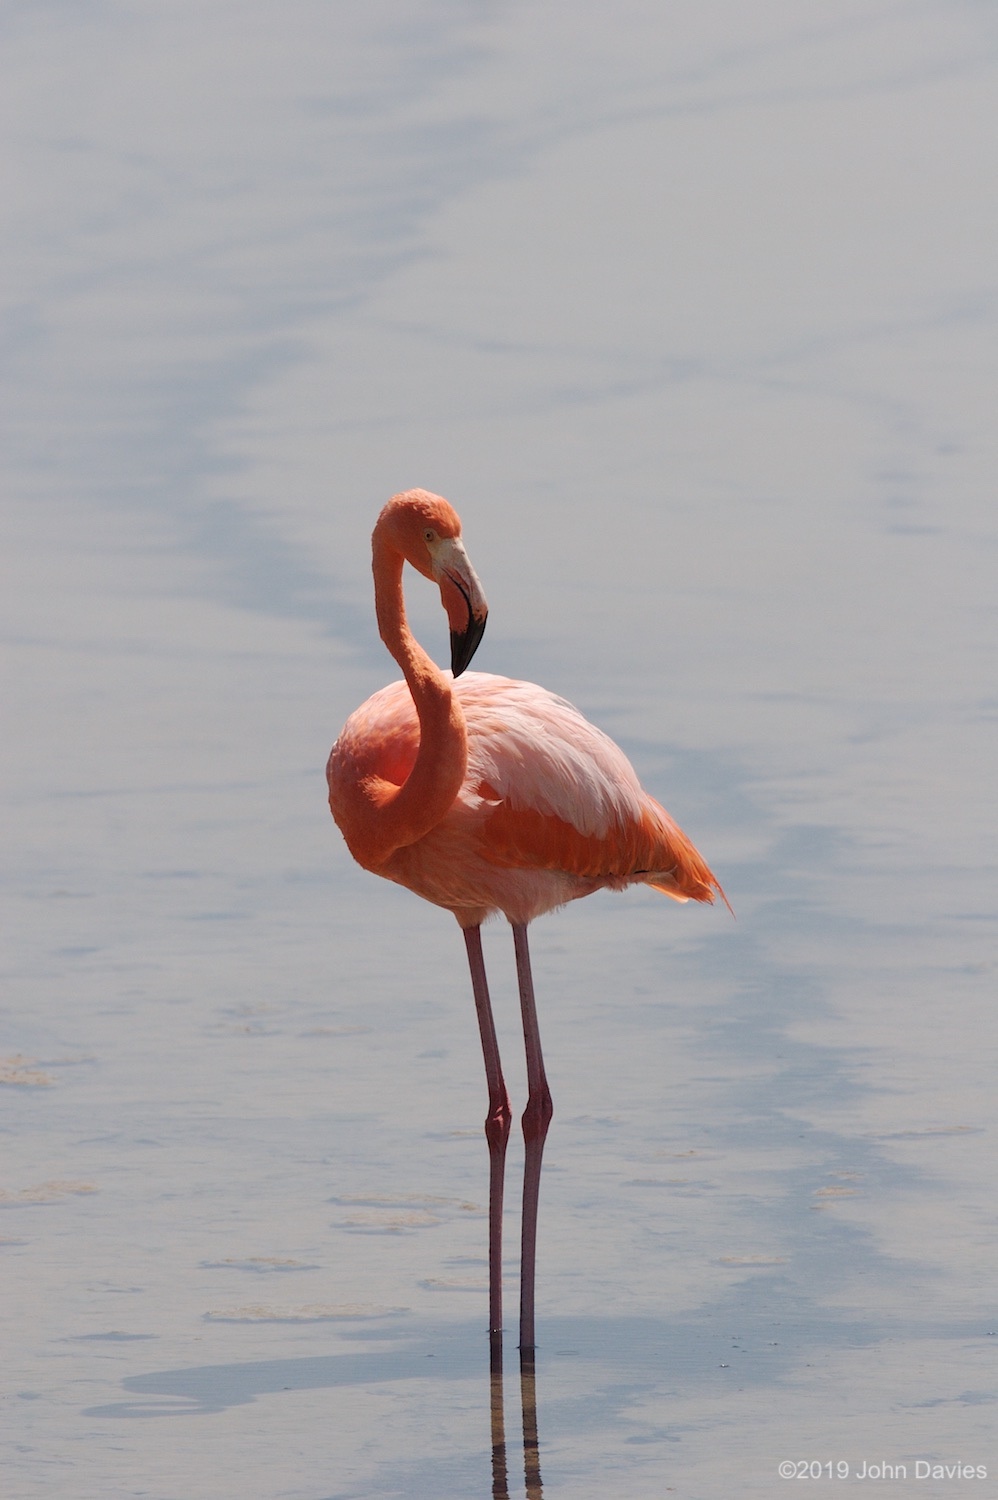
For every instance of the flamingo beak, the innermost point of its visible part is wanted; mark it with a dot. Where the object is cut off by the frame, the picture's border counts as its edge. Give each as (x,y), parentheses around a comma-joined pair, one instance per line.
(464,644)
(462,598)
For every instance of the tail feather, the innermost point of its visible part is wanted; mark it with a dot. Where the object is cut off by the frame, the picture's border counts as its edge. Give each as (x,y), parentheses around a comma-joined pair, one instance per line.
(651,849)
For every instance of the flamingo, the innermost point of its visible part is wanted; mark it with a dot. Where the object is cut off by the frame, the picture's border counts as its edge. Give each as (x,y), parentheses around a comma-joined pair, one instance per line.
(487,795)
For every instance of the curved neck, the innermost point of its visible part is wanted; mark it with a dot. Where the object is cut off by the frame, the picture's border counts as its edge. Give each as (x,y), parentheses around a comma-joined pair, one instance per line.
(402,815)
(418,667)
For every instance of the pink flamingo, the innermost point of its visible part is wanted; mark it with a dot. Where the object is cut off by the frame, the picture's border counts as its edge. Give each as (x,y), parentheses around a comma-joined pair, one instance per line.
(487,795)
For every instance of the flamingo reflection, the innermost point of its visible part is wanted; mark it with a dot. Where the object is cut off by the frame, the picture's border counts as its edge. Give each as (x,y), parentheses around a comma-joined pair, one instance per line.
(528,1407)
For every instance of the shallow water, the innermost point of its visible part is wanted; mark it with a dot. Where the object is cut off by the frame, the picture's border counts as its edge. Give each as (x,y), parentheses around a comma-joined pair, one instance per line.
(691,313)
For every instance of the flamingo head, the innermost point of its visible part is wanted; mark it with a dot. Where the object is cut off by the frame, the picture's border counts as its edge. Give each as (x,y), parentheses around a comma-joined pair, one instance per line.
(427,532)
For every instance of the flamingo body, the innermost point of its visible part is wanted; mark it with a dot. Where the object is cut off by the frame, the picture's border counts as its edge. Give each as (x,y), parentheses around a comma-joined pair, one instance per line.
(486,795)
(549,808)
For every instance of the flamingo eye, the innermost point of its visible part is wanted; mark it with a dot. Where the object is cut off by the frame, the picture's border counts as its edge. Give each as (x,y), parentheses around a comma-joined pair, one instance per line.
(430,536)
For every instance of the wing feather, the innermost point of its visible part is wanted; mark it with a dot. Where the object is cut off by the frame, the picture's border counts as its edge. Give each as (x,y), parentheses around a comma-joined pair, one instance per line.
(544,789)
(558,794)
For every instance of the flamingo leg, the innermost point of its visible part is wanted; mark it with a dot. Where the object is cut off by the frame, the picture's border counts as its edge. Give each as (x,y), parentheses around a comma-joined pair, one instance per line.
(536,1119)
(497,1124)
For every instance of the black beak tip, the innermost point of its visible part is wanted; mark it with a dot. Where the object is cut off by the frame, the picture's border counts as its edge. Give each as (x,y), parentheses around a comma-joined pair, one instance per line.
(464,644)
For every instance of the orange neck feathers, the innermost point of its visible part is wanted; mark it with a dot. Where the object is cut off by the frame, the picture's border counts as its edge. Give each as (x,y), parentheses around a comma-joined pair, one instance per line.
(387,817)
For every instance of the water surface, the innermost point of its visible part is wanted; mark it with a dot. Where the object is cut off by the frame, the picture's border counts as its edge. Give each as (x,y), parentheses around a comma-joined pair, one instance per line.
(692,315)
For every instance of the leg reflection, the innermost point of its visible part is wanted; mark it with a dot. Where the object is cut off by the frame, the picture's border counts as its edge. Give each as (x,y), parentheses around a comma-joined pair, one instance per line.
(528,1401)
(500,1477)
(531,1450)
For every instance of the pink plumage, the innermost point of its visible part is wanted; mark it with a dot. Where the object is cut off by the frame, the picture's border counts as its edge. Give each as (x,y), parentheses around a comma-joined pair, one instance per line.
(549,809)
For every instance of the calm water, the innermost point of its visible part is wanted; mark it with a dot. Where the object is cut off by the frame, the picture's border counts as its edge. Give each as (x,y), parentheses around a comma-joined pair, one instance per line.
(691,311)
